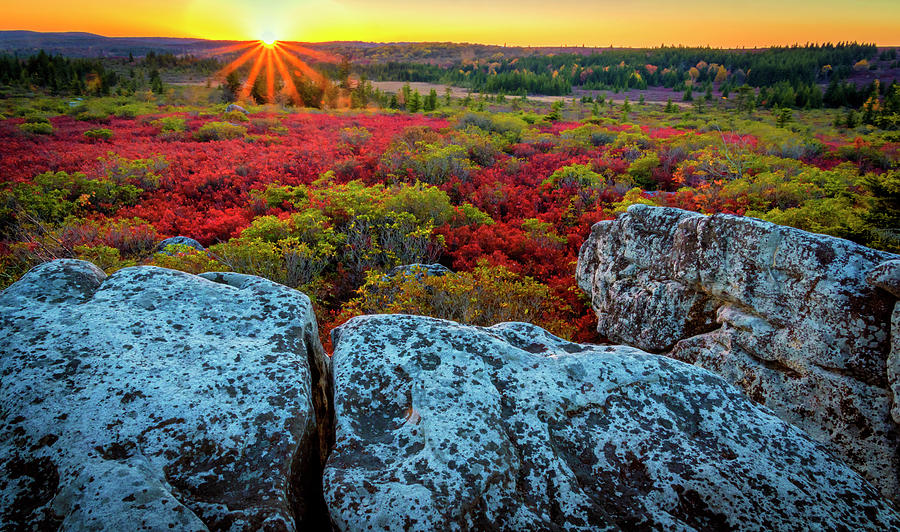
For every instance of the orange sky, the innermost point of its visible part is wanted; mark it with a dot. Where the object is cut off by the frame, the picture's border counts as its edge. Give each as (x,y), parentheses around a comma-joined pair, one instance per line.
(519,22)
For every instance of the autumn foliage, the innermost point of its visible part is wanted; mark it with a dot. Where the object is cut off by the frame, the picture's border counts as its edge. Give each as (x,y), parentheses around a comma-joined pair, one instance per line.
(329,202)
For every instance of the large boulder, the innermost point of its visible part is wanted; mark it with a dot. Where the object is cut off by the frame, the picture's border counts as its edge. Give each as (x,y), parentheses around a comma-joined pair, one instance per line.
(441,426)
(156,400)
(799,321)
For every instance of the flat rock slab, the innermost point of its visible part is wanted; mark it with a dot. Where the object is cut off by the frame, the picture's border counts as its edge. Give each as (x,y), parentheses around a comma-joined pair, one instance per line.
(441,426)
(157,400)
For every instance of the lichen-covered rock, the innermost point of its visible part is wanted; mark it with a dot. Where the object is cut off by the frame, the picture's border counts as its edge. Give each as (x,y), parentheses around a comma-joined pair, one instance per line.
(420,271)
(441,426)
(156,400)
(235,107)
(180,241)
(786,315)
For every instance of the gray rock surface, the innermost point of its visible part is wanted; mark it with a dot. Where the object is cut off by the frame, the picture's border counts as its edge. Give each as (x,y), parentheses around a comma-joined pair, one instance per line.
(235,107)
(157,400)
(799,321)
(180,241)
(419,270)
(441,426)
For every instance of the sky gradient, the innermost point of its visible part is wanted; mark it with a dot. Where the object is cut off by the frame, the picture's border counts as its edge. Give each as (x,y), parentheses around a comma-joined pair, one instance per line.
(514,22)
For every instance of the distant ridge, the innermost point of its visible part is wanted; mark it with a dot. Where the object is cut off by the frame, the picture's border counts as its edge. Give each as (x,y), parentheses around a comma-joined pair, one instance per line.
(82,44)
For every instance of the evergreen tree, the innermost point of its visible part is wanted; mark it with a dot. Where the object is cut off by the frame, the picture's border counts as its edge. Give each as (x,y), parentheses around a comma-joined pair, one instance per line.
(156,84)
(414,104)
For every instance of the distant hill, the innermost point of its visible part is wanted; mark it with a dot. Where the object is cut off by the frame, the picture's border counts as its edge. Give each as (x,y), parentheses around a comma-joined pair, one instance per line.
(80,44)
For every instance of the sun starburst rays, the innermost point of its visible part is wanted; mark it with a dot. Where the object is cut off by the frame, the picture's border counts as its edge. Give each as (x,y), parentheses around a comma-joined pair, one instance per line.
(270,58)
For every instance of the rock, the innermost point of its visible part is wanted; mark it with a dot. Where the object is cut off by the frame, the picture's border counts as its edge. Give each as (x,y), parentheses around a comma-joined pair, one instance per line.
(157,399)
(441,426)
(180,241)
(886,276)
(786,315)
(420,271)
(235,107)
(893,362)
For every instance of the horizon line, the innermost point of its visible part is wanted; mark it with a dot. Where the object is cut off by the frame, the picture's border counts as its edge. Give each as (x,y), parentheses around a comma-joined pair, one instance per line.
(504,45)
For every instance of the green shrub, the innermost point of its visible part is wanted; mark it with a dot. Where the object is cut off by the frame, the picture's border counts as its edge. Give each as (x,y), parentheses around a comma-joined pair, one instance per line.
(219,131)
(92,114)
(275,195)
(430,163)
(142,173)
(37,128)
(33,117)
(235,116)
(288,261)
(589,135)
(355,136)
(128,111)
(507,125)
(633,196)
(574,176)
(485,296)
(187,259)
(641,170)
(134,237)
(170,124)
(106,258)
(99,134)
(427,203)
(51,197)
(472,215)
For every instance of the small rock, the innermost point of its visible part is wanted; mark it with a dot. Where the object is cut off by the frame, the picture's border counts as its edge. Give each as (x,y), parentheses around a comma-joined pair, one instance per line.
(420,271)
(179,241)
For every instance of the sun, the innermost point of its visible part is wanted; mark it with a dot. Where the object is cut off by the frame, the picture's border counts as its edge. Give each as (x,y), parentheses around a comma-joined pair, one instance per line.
(270,57)
(268,38)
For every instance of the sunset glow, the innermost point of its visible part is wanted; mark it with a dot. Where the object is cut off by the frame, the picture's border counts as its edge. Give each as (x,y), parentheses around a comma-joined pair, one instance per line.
(525,23)
(269,58)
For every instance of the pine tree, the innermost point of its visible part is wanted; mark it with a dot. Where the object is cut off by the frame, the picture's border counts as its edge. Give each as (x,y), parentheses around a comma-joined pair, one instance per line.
(156,84)
(414,103)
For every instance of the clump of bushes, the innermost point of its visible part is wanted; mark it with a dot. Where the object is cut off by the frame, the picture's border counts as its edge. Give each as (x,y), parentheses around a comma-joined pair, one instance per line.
(355,136)
(235,116)
(187,259)
(219,131)
(99,134)
(170,123)
(574,176)
(38,128)
(37,124)
(142,173)
(507,125)
(485,296)
(128,111)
